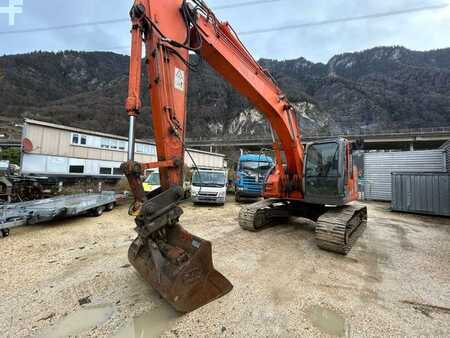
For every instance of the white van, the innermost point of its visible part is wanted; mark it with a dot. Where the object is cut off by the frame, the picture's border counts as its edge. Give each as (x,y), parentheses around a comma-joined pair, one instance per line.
(209,186)
(152,182)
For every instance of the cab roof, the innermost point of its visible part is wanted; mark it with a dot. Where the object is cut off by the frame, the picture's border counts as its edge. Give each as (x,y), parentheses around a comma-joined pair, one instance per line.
(255,158)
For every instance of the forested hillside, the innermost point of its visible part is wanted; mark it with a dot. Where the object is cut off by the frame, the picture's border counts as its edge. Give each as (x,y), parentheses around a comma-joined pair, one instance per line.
(378,89)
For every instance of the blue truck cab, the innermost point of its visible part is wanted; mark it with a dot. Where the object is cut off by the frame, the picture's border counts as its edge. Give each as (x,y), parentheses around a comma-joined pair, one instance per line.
(251,174)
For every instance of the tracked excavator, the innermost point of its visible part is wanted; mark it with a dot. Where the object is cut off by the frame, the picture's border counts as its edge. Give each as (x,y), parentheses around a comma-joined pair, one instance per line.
(318,182)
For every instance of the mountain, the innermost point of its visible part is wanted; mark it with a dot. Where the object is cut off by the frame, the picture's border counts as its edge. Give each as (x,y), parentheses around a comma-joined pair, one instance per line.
(377,89)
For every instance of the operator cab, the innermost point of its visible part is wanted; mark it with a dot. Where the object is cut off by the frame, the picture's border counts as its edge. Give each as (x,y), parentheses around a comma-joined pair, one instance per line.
(329,172)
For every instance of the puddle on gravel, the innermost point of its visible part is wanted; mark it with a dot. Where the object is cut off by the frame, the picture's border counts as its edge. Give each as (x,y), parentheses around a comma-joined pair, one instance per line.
(327,321)
(80,321)
(151,324)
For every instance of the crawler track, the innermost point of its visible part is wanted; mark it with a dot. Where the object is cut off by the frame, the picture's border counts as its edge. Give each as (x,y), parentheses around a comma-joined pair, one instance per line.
(255,216)
(337,228)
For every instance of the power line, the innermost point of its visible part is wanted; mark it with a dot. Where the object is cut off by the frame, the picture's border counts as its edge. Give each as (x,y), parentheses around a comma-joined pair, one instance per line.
(120,20)
(62,27)
(332,21)
(243,4)
(345,19)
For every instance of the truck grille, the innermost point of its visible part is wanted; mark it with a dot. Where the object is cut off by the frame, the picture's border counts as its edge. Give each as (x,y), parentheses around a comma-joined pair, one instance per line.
(208,194)
(251,184)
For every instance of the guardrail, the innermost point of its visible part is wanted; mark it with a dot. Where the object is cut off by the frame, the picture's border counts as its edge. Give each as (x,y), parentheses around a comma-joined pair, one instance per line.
(444,131)
(10,143)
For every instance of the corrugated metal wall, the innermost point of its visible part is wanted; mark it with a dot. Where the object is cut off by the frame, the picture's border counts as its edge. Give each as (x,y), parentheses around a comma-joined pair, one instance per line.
(424,193)
(447,148)
(379,166)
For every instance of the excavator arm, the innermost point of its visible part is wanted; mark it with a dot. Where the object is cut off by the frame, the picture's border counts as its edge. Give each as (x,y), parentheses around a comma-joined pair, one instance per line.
(174,262)
(172,29)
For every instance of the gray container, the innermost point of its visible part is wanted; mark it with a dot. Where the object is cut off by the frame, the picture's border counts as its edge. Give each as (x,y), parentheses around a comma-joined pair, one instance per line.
(422,193)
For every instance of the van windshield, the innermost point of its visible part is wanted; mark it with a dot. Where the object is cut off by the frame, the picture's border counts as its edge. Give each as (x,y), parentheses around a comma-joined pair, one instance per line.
(153,179)
(209,179)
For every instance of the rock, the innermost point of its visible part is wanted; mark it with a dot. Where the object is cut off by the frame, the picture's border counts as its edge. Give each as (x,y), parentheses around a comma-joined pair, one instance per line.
(50,316)
(85,300)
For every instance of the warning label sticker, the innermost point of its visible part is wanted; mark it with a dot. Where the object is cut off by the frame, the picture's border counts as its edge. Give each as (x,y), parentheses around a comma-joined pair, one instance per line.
(179,79)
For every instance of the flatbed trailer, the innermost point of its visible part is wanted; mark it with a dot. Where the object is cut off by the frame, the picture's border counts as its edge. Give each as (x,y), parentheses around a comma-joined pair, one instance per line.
(34,212)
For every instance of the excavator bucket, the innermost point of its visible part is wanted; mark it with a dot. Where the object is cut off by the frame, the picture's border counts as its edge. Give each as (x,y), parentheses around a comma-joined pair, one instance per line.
(179,266)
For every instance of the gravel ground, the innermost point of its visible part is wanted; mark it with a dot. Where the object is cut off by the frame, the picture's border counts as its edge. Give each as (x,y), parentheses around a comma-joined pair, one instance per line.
(72,278)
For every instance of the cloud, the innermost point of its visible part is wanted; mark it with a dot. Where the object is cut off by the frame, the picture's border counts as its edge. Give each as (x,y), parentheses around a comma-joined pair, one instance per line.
(421,31)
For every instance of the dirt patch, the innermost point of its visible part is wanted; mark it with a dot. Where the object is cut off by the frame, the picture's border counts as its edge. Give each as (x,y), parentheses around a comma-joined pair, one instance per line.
(53,272)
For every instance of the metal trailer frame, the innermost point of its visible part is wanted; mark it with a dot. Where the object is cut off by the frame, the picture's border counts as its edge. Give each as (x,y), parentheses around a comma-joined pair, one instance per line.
(33,212)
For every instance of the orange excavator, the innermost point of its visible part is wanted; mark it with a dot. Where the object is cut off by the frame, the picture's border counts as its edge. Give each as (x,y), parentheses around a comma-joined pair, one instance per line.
(318,182)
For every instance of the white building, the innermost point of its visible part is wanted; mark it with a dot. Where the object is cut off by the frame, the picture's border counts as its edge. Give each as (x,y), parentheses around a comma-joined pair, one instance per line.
(56,150)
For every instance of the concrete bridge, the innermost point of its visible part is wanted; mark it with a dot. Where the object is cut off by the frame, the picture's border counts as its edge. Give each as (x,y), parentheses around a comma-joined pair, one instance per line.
(405,139)
(9,135)
(10,143)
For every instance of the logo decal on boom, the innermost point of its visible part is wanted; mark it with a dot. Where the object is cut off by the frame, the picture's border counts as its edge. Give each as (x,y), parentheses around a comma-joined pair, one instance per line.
(179,79)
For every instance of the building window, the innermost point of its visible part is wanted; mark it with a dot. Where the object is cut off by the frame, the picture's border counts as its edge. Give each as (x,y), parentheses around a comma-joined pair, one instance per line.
(122,145)
(105,143)
(139,148)
(152,150)
(109,143)
(79,139)
(113,144)
(105,171)
(117,172)
(75,138)
(76,169)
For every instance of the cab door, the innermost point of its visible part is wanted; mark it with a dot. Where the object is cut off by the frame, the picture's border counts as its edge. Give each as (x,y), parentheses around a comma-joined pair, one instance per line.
(324,173)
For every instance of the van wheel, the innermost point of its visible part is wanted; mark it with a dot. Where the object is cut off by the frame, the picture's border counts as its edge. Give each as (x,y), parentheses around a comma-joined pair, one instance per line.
(109,206)
(98,211)
(5,232)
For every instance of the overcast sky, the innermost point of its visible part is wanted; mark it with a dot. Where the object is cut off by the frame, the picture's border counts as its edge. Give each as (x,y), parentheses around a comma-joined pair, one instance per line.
(422,30)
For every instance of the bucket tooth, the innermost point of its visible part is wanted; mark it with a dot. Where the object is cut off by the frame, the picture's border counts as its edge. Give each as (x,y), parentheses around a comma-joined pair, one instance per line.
(179,266)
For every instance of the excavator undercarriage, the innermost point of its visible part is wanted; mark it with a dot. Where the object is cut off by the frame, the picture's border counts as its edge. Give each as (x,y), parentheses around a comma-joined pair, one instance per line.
(337,228)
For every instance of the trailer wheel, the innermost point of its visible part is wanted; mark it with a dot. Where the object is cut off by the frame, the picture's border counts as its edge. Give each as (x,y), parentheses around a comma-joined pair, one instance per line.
(98,211)
(5,232)
(109,206)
